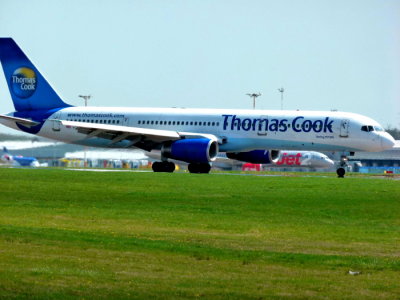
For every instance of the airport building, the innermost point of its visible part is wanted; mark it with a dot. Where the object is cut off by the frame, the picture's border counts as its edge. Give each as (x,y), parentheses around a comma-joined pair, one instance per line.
(378,162)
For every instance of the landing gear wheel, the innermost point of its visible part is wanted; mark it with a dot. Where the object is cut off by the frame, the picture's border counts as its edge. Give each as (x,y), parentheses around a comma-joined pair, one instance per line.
(205,168)
(342,166)
(163,166)
(156,166)
(169,167)
(202,168)
(340,172)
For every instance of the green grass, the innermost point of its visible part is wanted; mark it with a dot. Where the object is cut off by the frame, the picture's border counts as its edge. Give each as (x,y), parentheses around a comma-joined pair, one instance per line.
(68,235)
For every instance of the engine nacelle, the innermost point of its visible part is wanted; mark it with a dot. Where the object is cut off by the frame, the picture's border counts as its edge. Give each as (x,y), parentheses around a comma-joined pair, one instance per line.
(191,150)
(256,156)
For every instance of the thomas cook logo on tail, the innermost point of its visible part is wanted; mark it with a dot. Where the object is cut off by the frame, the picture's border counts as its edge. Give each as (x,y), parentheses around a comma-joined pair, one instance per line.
(24,82)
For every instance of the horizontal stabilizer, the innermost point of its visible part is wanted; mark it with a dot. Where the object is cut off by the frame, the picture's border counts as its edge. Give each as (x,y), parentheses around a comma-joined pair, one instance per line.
(25,122)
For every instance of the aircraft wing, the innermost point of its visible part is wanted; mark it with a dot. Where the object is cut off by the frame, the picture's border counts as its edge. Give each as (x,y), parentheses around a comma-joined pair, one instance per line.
(144,138)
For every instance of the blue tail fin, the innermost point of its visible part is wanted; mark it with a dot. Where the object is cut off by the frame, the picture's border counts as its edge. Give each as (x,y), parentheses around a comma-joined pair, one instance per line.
(28,88)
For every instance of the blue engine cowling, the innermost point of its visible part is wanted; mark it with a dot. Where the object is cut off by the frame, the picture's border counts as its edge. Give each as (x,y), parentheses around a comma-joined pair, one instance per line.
(255,156)
(191,150)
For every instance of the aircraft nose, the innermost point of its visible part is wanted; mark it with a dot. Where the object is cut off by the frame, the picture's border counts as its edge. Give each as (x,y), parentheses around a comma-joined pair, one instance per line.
(387,141)
(330,162)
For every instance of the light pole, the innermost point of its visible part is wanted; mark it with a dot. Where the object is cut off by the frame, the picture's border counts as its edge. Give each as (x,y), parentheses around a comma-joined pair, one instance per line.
(281,90)
(86,98)
(254,96)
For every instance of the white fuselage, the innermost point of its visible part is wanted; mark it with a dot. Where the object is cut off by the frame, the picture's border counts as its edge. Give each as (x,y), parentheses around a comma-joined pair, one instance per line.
(286,158)
(236,130)
(307,159)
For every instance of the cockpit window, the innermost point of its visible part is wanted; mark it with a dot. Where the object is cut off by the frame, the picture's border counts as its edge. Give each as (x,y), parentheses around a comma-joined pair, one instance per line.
(378,128)
(367,128)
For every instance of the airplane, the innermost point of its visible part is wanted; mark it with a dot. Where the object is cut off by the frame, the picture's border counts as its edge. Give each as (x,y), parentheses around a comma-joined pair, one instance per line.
(195,136)
(286,158)
(18,160)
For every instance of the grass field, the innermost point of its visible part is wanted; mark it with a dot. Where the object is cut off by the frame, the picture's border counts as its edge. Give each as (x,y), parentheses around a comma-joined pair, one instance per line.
(87,235)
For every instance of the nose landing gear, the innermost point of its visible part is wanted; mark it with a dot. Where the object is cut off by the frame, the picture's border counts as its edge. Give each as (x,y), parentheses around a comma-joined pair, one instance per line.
(341,170)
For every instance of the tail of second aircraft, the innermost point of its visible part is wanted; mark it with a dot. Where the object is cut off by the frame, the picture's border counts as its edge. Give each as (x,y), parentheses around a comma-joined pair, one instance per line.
(28,88)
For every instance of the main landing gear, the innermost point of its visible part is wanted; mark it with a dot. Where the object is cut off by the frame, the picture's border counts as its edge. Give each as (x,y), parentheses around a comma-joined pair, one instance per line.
(163,166)
(169,167)
(341,170)
(203,168)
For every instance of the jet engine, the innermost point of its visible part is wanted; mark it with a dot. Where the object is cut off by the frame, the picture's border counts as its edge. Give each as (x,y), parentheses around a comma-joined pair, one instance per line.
(256,156)
(191,150)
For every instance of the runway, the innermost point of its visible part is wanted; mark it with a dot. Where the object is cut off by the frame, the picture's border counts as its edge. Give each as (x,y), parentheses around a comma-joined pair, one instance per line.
(298,174)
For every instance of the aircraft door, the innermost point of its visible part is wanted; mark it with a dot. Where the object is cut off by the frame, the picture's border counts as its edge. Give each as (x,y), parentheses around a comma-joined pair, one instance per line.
(344,128)
(56,122)
(121,120)
(262,126)
(125,121)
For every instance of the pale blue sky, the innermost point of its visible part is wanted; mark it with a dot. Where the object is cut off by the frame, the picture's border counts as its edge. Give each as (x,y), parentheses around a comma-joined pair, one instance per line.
(338,54)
